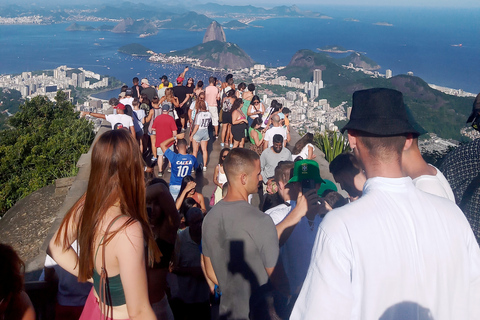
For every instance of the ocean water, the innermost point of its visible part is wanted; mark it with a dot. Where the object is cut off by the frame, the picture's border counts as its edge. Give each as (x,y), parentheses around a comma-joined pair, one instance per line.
(420,40)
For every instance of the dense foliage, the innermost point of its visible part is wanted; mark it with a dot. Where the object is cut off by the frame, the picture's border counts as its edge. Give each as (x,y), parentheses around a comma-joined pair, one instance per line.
(10,100)
(135,49)
(44,143)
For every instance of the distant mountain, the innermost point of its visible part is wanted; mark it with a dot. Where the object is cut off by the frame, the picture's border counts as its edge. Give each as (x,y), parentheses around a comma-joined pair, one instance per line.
(105,27)
(221,9)
(226,10)
(218,54)
(135,49)
(78,27)
(235,24)
(135,26)
(188,21)
(359,61)
(214,32)
(437,112)
(305,61)
(123,10)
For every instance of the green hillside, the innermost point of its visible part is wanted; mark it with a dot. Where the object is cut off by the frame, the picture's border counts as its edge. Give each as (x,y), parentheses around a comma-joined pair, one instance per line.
(218,54)
(135,49)
(437,112)
(235,24)
(188,21)
(305,61)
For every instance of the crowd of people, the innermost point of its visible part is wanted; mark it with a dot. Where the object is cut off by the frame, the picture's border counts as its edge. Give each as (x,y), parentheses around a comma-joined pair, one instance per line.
(398,247)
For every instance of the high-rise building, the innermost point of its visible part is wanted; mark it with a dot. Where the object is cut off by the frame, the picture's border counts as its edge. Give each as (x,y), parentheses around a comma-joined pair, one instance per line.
(25,91)
(75,80)
(317,76)
(388,73)
(81,79)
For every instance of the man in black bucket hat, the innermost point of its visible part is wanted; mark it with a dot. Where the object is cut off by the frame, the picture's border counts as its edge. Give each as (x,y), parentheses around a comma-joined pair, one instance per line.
(396,243)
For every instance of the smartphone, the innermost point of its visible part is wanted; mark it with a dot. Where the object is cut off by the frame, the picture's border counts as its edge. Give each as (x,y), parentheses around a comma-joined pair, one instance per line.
(308,185)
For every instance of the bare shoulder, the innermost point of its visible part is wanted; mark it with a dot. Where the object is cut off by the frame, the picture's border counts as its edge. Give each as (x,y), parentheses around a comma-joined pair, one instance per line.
(133,229)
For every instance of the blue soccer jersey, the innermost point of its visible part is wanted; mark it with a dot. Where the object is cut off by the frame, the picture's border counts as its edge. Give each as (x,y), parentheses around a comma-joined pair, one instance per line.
(182,165)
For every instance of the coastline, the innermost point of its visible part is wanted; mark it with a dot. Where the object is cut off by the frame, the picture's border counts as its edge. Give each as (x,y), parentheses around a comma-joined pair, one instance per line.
(92,95)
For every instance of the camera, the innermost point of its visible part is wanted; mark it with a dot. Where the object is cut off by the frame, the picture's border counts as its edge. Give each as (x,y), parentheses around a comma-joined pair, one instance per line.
(308,185)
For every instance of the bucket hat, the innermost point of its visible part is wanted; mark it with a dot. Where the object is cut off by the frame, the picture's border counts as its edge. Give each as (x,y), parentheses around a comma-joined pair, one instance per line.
(379,111)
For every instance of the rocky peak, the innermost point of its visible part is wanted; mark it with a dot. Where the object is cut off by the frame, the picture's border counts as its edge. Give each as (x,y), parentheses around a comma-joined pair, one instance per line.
(123,25)
(214,32)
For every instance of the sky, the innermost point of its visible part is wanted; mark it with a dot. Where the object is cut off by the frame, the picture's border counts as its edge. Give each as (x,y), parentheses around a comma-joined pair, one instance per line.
(301,3)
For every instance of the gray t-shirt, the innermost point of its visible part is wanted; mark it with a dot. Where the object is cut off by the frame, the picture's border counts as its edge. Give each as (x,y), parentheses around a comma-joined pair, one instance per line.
(241,241)
(269,161)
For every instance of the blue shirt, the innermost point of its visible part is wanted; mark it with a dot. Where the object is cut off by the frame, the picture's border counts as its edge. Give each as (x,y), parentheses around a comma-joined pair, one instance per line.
(182,165)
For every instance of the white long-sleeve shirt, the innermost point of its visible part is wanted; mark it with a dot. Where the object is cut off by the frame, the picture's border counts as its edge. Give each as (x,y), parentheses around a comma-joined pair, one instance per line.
(396,249)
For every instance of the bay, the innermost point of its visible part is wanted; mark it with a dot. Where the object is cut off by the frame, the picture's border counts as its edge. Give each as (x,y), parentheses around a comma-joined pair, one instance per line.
(420,40)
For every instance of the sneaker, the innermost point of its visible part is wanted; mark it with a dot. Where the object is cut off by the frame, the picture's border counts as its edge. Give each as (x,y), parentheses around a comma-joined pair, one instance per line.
(204,169)
(160,174)
(231,145)
(154,159)
(222,144)
(183,130)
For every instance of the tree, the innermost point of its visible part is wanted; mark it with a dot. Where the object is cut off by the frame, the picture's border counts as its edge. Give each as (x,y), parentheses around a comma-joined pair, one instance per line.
(44,143)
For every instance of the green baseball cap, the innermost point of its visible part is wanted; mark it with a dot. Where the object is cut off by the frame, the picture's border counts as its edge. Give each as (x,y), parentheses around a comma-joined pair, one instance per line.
(327,185)
(306,170)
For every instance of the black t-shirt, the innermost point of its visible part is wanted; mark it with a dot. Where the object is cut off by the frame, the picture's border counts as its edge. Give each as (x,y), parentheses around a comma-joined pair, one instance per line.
(180,92)
(134,91)
(190,89)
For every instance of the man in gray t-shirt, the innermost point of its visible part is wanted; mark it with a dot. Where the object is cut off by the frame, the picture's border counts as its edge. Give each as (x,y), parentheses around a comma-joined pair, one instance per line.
(239,242)
(272,156)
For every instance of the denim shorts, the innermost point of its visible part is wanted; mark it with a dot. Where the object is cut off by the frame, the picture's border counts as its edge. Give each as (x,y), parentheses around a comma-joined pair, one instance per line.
(160,151)
(174,190)
(201,135)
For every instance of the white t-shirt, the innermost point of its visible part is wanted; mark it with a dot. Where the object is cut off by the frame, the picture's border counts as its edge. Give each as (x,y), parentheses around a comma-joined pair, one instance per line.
(126,101)
(273,131)
(124,119)
(437,185)
(304,152)
(394,245)
(137,123)
(203,119)
(251,108)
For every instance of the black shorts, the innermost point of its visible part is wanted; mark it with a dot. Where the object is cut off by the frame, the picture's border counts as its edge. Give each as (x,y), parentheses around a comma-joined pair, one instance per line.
(180,112)
(227,117)
(238,131)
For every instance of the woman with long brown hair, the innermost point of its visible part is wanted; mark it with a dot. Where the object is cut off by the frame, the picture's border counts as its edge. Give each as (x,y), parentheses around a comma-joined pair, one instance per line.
(111,226)
(304,148)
